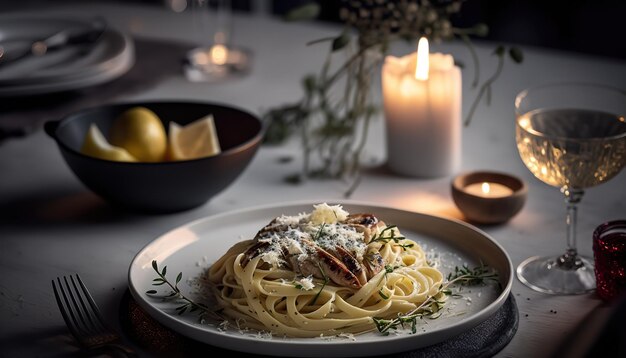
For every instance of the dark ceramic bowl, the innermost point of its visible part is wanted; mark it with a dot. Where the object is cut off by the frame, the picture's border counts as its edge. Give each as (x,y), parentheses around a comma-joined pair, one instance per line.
(166,186)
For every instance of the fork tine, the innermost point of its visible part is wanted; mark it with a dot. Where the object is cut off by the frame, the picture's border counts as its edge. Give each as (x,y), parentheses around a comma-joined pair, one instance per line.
(66,312)
(97,322)
(76,308)
(90,325)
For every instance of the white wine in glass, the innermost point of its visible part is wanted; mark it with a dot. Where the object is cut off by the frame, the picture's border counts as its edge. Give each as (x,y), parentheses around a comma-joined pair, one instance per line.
(570,136)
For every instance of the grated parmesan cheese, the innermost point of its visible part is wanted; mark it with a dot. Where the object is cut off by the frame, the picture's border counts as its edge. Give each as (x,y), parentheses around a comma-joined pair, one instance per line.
(306,283)
(292,220)
(294,247)
(286,234)
(272,257)
(344,236)
(324,213)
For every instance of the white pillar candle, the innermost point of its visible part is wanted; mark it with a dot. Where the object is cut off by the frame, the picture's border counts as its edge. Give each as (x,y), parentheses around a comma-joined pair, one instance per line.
(423,114)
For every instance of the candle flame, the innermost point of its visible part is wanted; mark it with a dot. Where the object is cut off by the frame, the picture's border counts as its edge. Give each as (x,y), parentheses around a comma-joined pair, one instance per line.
(219,54)
(421,69)
(486,188)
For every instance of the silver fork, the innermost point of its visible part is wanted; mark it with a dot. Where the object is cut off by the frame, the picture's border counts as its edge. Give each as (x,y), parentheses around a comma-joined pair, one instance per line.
(83,318)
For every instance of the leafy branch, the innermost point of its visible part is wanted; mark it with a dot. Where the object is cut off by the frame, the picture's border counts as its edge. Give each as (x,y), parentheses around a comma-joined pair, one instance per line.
(187,304)
(432,306)
(334,123)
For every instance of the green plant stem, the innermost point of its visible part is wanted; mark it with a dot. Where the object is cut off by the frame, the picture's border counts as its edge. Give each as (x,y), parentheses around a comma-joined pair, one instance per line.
(483,88)
(323,39)
(346,64)
(362,50)
(305,143)
(472,51)
(364,83)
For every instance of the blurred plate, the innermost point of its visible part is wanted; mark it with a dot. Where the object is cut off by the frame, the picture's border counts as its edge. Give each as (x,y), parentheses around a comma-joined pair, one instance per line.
(70,68)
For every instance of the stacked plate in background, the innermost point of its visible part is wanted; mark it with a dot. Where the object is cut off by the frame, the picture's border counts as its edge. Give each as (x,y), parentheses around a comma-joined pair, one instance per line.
(69,67)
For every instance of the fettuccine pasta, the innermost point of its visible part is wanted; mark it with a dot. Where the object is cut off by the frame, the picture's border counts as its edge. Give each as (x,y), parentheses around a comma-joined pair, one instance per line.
(322,273)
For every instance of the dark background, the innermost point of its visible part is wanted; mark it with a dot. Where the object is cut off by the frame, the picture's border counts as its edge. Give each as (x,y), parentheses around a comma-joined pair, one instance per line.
(595,27)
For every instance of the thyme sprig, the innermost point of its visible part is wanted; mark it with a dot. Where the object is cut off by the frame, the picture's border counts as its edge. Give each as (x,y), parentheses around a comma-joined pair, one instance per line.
(326,280)
(390,237)
(478,275)
(432,306)
(388,269)
(187,304)
(406,246)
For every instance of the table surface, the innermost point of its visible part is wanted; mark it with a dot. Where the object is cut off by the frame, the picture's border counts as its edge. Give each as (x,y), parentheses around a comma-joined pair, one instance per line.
(51,225)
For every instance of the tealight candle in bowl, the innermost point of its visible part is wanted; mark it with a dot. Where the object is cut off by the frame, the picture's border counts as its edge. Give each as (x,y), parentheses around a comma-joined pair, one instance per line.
(488,197)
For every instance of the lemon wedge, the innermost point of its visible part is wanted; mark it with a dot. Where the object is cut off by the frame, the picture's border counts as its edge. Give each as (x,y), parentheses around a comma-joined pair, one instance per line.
(141,133)
(195,140)
(95,145)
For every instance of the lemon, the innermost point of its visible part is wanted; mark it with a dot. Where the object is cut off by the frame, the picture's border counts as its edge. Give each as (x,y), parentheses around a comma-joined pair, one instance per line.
(141,133)
(195,140)
(95,145)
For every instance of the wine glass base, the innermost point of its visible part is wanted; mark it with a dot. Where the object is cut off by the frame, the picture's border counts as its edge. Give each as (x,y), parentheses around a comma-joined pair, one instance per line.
(543,274)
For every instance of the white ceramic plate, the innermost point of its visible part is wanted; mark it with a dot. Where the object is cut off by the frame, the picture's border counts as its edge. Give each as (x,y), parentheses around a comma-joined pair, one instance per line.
(193,247)
(70,68)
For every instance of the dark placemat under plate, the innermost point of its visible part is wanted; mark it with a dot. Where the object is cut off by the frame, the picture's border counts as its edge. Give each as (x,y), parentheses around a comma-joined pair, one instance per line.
(484,340)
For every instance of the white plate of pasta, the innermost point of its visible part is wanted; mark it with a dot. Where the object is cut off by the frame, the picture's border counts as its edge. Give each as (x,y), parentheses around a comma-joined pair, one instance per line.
(317,279)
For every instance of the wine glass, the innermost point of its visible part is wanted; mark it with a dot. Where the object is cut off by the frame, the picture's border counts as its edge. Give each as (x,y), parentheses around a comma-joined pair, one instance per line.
(571,136)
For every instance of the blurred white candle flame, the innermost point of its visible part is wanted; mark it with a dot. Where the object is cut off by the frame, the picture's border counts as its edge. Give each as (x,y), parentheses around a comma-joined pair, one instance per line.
(421,68)
(486,188)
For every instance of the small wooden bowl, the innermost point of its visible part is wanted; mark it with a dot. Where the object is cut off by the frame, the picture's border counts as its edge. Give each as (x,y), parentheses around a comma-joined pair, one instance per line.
(488,210)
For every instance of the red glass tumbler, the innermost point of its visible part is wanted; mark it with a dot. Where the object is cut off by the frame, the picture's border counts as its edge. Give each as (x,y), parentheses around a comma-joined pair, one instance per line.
(609,252)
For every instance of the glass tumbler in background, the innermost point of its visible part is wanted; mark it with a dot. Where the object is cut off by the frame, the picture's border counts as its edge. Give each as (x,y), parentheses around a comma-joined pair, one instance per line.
(216,58)
(609,252)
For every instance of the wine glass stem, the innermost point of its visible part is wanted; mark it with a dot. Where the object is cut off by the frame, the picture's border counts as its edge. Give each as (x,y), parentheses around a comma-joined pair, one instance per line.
(570,260)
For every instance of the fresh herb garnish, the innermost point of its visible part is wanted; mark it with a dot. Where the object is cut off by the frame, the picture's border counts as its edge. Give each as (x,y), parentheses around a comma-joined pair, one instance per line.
(187,304)
(382,294)
(405,246)
(326,280)
(388,269)
(431,307)
(471,277)
(319,233)
(391,237)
